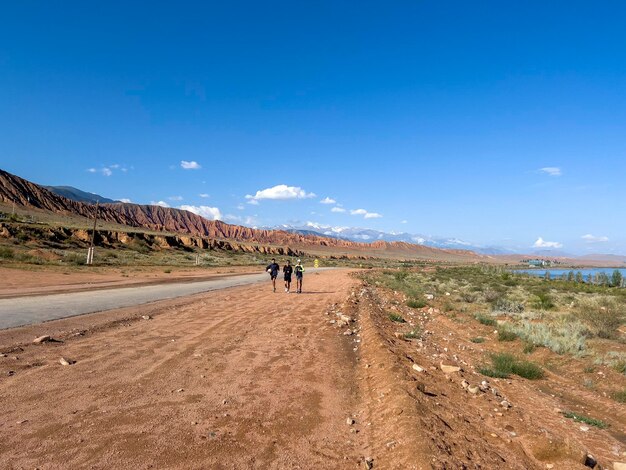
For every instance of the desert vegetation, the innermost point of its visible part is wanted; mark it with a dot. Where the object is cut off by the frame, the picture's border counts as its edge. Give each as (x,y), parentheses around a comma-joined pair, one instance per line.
(527,324)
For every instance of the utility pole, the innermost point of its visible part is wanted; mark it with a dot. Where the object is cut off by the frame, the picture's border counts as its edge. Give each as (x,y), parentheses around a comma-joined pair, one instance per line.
(93,236)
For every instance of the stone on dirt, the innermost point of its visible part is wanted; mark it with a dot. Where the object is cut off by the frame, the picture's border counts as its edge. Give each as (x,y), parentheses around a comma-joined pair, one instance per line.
(473,389)
(369,462)
(590,461)
(66,362)
(42,339)
(464,384)
(348,333)
(447,369)
(146,317)
(349,421)
(619,466)
(418,368)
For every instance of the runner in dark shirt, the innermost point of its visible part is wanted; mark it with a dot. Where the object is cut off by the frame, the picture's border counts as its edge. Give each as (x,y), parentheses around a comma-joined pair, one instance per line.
(299,270)
(287,269)
(273,269)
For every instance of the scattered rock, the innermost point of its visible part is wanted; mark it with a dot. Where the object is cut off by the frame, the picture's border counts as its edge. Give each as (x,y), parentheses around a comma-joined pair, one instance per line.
(348,333)
(447,369)
(391,444)
(146,317)
(584,428)
(619,466)
(505,404)
(473,389)
(180,390)
(418,368)
(42,339)
(66,362)
(193,423)
(349,421)
(10,373)
(345,318)
(22,422)
(549,465)
(369,462)
(465,384)
(429,296)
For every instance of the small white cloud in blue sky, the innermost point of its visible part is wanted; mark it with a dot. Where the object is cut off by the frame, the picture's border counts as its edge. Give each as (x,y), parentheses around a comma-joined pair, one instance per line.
(366,214)
(328,200)
(280,192)
(211,213)
(175,198)
(541,243)
(185,165)
(589,238)
(159,203)
(125,200)
(338,209)
(551,170)
(204,195)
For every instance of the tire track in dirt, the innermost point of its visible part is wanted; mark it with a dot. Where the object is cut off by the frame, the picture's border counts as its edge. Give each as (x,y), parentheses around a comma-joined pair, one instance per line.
(240,378)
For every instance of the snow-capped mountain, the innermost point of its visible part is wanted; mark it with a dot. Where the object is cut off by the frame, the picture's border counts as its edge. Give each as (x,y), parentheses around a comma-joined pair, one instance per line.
(365,235)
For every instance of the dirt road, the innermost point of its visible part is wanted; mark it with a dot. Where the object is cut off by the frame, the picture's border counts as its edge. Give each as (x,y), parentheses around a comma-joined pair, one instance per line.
(26,310)
(241,378)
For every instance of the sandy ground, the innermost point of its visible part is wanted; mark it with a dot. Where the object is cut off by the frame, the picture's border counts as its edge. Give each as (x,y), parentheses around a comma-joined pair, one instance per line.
(249,379)
(240,378)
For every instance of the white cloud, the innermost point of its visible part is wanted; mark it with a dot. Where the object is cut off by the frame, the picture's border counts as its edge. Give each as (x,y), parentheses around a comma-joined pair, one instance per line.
(241,207)
(159,203)
(108,170)
(366,214)
(126,201)
(175,198)
(338,209)
(280,192)
(328,200)
(204,195)
(594,239)
(541,243)
(551,170)
(211,213)
(404,221)
(185,165)
(253,202)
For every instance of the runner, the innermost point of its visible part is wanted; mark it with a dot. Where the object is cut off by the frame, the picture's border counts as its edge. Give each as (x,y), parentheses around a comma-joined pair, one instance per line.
(273,269)
(299,269)
(287,269)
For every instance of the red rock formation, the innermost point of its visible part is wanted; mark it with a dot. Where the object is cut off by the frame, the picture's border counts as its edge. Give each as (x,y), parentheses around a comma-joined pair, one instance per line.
(14,189)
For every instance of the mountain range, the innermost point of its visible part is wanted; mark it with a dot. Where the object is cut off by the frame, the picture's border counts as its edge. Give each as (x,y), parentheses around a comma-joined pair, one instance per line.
(366,235)
(16,190)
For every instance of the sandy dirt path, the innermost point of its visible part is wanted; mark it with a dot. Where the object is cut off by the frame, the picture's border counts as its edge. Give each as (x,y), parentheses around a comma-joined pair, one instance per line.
(238,378)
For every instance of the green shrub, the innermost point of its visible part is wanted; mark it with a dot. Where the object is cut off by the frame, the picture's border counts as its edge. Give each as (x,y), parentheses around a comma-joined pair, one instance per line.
(75,258)
(485,320)
(415,333)
(6,252)
(585,419)
(416,303)
(620,396)
(505,364)
(504,334)
(543,301)
(563,337)
(478,340)
(396,318)
(602,315)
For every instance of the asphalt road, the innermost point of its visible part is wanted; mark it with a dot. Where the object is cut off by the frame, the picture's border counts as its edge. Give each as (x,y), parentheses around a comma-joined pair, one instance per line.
(22,311)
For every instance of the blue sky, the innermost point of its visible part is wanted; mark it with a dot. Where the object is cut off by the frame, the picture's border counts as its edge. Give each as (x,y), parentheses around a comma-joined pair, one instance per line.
(436,116)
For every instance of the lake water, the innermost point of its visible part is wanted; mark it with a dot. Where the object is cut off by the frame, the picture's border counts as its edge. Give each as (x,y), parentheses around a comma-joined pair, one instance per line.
(556,273)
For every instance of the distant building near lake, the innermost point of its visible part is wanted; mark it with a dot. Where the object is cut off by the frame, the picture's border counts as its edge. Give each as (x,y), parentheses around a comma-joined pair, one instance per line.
(540,263)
